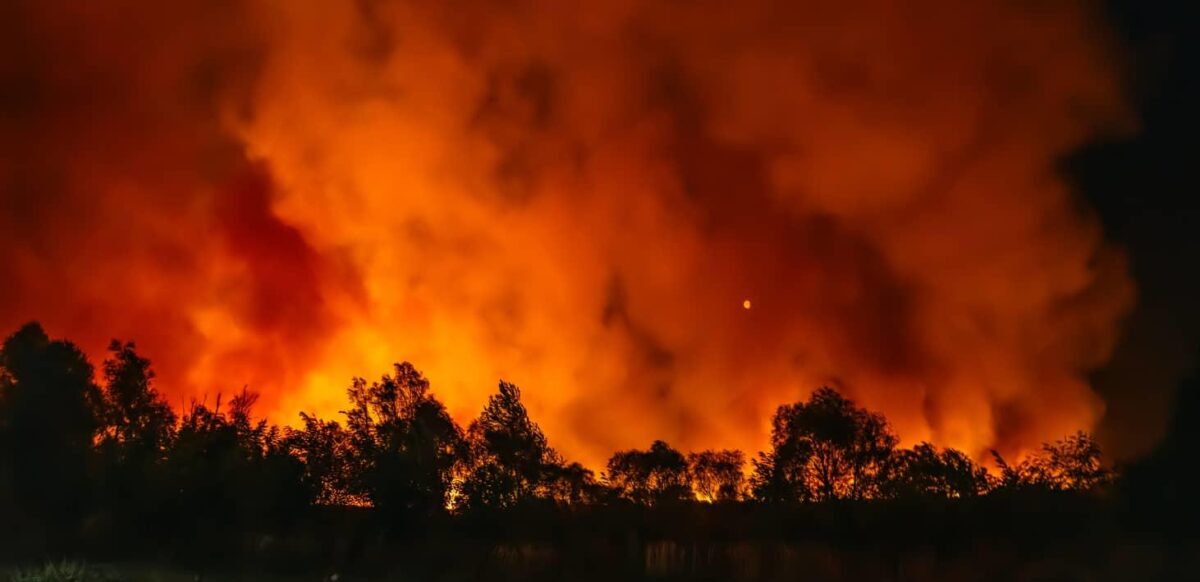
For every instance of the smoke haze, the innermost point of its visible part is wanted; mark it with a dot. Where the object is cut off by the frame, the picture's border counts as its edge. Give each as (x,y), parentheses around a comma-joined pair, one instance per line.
(577,198)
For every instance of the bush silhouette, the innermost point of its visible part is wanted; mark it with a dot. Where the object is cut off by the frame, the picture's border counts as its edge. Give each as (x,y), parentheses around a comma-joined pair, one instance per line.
(823,449)
(49,418)
(654,476)
(403,446)
(79,456)
(510,462)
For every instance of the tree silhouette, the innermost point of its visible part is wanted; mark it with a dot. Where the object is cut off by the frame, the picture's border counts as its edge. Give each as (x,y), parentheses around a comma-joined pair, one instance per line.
(138,428)
(77,457)
(137,421)
(48,421)
(572,484)
(405,446)
(717,475)
(924,471)
(1074,463)
(230,472)
(326,451)
(511,462)
(825,448)
(654,476)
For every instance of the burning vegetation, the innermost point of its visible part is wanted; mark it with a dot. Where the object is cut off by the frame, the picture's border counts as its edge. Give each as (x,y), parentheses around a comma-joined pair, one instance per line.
(397,450)
(103,466)
(583,199)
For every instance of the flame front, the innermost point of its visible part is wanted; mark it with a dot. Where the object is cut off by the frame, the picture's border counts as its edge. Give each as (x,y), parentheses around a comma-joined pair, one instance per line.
(579,198)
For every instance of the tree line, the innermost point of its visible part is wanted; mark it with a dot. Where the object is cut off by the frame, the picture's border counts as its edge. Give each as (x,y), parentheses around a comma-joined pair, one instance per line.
(77,445)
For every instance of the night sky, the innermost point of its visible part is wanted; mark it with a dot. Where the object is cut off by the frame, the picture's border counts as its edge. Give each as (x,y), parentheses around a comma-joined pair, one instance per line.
(662,220)
(1144,188)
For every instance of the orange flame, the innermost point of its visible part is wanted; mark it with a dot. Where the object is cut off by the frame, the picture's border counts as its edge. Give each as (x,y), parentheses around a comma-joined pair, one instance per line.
(577,198)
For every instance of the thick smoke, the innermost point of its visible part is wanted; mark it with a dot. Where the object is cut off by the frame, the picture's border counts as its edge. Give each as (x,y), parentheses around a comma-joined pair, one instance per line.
(577,198)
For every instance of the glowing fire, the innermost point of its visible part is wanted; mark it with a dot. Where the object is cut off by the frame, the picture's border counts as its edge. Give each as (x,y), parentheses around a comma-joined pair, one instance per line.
(288,194)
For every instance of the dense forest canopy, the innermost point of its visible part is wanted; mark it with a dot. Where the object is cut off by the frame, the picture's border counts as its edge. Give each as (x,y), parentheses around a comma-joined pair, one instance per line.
(94,457)
(64,429)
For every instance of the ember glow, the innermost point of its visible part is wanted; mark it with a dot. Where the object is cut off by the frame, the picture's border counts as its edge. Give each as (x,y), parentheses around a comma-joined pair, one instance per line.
(575,198)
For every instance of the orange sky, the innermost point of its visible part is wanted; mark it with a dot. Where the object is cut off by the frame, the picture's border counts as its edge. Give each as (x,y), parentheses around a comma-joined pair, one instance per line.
(577,198)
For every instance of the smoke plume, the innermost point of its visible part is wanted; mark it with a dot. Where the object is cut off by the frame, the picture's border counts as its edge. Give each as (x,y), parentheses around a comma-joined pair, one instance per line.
(577,198)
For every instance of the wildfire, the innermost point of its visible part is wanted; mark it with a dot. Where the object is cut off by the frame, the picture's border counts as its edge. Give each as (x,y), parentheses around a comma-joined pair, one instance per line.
(286,195)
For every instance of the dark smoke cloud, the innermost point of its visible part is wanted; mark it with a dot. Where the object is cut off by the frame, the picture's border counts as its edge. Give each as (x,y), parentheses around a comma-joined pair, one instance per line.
(127,209)
(577,198)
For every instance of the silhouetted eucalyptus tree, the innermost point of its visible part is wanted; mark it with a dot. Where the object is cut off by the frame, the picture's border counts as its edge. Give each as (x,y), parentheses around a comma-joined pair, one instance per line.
(511,462)
(717,475)
(230,472)
(48,422)
(1074,463)
(924,471)
(572,484)
(326,451)
(654,476)
(822,449)
(137,421)
(138,429)
(215,475)
(405,446)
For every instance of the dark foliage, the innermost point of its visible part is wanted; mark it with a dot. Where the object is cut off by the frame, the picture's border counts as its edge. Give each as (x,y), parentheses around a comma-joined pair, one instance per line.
(925,471)
(112,460)
(138,429)
(403,447)
(327,452)
(823,449)
(230,473)
(1072,463)
(651,477)
(717,475)
(48,423)
(510,461)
